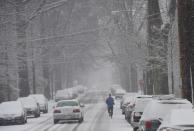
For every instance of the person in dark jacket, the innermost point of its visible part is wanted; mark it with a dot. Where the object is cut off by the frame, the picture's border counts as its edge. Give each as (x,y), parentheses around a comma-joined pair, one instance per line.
(110,103)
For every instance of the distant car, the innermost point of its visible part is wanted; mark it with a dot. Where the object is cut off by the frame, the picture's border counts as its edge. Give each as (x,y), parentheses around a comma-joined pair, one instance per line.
(140,103)
(42,101)
(65,94)
(119,93)
(68,110)
(30,105)
(156,110)
(178,120)
(12,112)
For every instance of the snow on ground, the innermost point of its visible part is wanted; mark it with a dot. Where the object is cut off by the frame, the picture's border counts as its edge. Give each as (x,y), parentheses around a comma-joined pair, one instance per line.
(96,119)
(99,120)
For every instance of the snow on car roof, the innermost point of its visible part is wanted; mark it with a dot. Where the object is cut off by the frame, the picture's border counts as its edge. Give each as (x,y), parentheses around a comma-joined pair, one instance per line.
(180,117)
(27,101)
(11,106)
(158,109)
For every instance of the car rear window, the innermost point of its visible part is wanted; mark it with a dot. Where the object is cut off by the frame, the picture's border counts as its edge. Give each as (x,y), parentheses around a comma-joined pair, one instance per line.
(67,103)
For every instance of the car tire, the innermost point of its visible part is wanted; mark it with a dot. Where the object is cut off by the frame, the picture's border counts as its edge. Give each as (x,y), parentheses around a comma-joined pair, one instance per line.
(55,121)
(36,115)
(135,128)
(81,120)
(23,120)
(46,110)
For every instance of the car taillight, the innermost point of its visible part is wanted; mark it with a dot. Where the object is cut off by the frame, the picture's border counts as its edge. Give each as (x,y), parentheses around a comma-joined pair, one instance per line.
(76,110)
(57,111)
(148,124)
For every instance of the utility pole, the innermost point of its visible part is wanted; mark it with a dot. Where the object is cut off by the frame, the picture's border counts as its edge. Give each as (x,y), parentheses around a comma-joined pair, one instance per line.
(33,72)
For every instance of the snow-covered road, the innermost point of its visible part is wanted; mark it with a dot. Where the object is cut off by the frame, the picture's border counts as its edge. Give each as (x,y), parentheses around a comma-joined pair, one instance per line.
(96,119)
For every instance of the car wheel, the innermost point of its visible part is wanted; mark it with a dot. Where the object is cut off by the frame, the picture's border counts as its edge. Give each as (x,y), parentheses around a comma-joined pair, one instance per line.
(55,121)
(37,114)
(81,120)
(135,128)
(23,120)
(46,110)
(26,120)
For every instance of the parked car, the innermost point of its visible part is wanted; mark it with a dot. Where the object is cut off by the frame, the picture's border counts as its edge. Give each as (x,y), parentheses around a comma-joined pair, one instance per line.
(12,112)
(140,104)
(30,105)
(68,110)
(128,105)
(157,109)
(42,101)
(129,94)
(128,101)
(178,120)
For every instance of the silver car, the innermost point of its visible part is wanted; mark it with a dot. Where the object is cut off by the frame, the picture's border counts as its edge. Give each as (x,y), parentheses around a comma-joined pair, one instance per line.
(30,105)
(68,110)
(42,101)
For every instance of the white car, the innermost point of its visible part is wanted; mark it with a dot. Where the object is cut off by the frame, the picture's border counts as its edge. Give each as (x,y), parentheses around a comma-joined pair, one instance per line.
(68,110)
(156,110)
(12,112)
(140,104)
(30,105)
(42,101)
(178,120)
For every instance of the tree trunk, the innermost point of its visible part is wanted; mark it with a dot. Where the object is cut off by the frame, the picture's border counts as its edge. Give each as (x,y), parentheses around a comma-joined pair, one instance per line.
(21,48)
(186,28)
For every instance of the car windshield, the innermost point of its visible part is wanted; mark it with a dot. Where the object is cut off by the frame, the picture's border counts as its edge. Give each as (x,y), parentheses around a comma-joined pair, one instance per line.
(157,110)
(67,103)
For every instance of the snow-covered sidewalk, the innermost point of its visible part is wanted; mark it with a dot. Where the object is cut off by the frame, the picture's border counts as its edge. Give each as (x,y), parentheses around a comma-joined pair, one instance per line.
(118,123)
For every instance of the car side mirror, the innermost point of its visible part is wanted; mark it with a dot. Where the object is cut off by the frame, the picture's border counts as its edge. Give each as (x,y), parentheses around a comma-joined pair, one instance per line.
(82,105)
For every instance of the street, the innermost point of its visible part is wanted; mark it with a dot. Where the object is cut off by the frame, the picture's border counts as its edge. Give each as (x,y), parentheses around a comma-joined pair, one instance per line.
(96,119)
